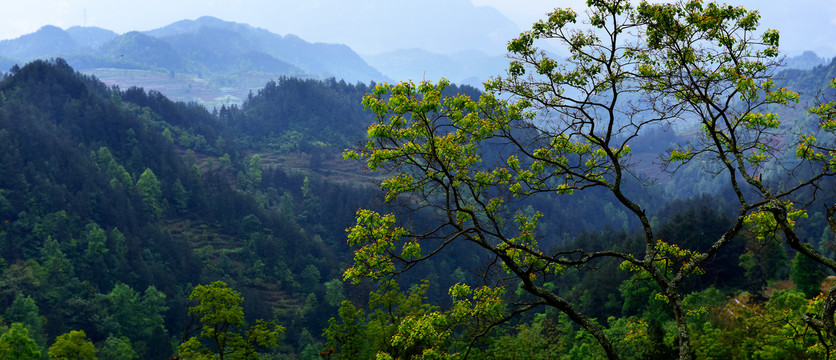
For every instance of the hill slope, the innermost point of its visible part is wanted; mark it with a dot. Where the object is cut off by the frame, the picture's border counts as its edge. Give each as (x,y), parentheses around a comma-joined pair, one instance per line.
(97,193)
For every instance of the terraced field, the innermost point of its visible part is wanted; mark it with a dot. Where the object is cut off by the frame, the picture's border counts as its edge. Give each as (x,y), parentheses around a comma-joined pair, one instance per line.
(210,92)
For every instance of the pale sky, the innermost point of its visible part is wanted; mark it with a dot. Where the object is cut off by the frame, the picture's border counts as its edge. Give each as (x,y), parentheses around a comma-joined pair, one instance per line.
(374,26)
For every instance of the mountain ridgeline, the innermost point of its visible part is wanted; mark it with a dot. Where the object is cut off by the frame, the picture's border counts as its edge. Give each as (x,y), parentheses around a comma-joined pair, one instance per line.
(207,60)
(203,46)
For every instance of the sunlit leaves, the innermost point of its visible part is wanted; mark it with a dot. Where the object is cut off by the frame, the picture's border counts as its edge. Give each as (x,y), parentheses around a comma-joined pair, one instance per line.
(677,155)
(217,304)
(670,258)
(780,96)
(418,127)
(757,158)
(221,318)
(411,250)
(805,149)
(377,236)
(809,147)
(397,185)
(516,69)
(763,225)
(708,46)
(691,60)
(826,112)
(521,45)
(431,333)
(771,37)
(759,120)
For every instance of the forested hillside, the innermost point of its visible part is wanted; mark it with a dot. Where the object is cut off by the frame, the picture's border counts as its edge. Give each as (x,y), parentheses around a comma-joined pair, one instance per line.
(115,204)
(113,196)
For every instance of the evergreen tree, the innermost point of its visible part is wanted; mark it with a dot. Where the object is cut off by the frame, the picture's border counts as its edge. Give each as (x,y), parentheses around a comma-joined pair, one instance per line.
(25,311)
(149,189)
(807,275)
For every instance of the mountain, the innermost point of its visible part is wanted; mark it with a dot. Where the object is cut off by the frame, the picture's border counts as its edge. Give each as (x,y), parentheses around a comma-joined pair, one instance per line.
(805,61)
(6,63)
(48,41)
(90,36)
(224,49)
(144,51)
(206,60)
(115,203)
(471,67)
(206,43)
(97,193)
(231,41)
(813,82)
(377,26)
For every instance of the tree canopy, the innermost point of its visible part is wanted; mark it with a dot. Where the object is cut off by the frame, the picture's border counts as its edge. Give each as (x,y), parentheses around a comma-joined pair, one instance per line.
(220,317)
(567,126)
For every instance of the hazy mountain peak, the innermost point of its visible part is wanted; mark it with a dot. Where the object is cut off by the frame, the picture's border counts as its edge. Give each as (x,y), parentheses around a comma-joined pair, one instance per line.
(48,41)
(91,36)
(190,26)
(49,29)
(806,61)
(209,20)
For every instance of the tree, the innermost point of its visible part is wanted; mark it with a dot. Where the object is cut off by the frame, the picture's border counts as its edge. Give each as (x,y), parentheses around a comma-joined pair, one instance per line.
(402,325)
(16,344)
(221,317)
(181,197)
(779,217)
(638,68)
(139,318)
(24,311)
(95,237)
(150,192)
(118,348)
(250,177)
(72,346)
(108,164)
(807,274)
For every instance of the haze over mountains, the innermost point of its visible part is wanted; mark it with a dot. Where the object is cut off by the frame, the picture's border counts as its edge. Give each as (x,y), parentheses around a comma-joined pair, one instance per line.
(214,62)
(209,52)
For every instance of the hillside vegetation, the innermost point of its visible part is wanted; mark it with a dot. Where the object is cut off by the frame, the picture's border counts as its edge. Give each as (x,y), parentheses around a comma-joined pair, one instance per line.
(124,214)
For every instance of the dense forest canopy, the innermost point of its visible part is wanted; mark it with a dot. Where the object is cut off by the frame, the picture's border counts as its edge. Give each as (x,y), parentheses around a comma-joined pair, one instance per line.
(137,227)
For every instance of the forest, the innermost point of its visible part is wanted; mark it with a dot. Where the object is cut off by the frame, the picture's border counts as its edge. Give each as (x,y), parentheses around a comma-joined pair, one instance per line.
(665,198)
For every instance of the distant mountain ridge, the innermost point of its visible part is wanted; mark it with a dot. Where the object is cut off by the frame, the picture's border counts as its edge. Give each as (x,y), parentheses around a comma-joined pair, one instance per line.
(90,36)
(806,61)
(213,35)
(215,62)
(470,67)
(48,41)
(201,45)
(200,60)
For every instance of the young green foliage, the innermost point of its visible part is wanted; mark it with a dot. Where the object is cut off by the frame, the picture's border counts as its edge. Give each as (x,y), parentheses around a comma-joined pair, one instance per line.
(16,344)
(639,67)
(221,317)
(73,345)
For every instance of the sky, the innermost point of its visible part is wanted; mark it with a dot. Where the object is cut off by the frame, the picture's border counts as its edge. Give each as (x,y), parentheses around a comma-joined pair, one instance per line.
(377,26)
